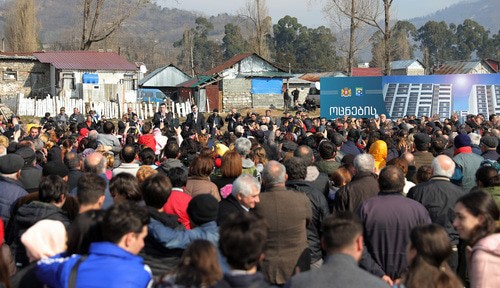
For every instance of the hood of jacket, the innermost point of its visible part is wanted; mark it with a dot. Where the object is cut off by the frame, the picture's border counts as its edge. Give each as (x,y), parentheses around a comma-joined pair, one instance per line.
(379,152)
(247,163)
(169,164)
(30,213)
(489,244)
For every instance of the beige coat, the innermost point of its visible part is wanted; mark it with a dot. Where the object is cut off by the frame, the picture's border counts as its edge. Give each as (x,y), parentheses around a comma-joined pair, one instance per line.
(287,213)
(197,185)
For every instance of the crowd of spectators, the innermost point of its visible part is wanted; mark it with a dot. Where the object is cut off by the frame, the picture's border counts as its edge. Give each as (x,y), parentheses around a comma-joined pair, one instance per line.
(249,201)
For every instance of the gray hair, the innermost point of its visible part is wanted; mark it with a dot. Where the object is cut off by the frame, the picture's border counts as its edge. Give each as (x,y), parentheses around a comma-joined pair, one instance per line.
(364,163)
(475,138)
(443,165)
(242,146)
(273,173)
(245,184)
(92,135)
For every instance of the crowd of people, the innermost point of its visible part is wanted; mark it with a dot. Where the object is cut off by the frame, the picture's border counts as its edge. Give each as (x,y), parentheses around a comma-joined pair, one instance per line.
(249,201)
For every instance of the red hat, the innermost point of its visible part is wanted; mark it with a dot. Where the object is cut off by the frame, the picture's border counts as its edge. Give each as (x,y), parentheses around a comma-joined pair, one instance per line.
(84,132)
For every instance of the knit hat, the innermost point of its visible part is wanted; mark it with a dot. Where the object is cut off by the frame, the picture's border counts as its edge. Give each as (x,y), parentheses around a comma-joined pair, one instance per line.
(489,141)
(203,208)
(44,239)
(55,168)
(28,155)
(11,163)
(462,140)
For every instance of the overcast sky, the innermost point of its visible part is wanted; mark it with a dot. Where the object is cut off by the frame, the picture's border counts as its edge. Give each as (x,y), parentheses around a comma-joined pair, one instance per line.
(308,12)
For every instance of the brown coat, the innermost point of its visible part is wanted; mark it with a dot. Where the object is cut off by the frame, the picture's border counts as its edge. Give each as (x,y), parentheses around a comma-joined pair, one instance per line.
(198,185)
(287,213)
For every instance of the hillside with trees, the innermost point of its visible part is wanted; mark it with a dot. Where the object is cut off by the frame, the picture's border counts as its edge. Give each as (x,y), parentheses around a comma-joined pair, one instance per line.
(145,32)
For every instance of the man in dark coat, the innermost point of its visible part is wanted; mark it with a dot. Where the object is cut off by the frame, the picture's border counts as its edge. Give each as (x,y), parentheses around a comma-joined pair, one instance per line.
(387,221)
(156,191)
(195,120)
(215,122)
(318,179)
(364,185)
(287,213)
(296,170)
(249,231)
(341,266)
(11,188)
(30,174)
(53,191)
(162,118)
(244,196)
(439,196)
(488,145)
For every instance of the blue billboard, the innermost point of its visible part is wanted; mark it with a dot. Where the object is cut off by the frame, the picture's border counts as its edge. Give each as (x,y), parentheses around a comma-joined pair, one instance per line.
(397,96)
(353,96)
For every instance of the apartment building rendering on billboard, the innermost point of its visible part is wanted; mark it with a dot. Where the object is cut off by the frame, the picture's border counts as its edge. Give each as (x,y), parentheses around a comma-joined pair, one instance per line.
(484,99)
(420,99)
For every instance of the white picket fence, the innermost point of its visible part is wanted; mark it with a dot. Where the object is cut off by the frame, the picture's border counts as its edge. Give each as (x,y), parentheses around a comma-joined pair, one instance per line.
(110,110)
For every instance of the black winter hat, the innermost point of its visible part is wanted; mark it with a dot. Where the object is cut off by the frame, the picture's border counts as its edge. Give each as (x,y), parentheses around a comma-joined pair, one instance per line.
(11,163)
(203,208)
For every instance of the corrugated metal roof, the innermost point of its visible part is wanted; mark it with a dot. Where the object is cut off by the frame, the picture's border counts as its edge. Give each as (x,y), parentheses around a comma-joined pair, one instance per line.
(85,60)
(231,62)
(195,82)
(314,77)
(17,56)
(166,76)
(403,64)
(268,74)
(461,67)
(235,59)
(366,72)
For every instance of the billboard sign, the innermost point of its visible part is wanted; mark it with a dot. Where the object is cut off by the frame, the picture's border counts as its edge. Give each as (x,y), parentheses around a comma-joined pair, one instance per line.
(397,96)
(353,96)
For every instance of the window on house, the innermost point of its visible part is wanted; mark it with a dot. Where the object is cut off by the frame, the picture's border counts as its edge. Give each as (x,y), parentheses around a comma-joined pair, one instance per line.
(128,82)
(36,77)
(68,81)
(9,75)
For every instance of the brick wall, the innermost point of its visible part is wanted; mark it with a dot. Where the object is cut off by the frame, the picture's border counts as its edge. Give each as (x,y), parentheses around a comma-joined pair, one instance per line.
(266,100)
(236,93)
(32,79)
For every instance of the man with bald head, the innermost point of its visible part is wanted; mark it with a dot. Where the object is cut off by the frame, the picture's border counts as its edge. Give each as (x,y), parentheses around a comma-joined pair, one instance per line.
(387,220)
(412,170)
(96,163)
(287,238)
(439,196)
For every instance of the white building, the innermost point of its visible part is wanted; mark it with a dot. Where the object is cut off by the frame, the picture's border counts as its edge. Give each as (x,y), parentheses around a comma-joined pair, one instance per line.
(420,99)
(484,99)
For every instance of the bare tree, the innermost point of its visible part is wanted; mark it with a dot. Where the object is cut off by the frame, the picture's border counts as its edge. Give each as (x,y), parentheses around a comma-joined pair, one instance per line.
(371,18)
(347,13)
(101,18)
(21,27)
(258,14)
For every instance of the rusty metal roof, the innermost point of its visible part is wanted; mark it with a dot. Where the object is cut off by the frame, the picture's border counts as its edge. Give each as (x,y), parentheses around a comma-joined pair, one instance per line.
(366,71)
(314,77)
(85,60)
(462,67)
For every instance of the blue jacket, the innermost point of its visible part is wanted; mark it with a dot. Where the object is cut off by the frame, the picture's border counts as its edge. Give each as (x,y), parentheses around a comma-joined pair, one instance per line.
(106,266)
(10,191)
(182,238)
